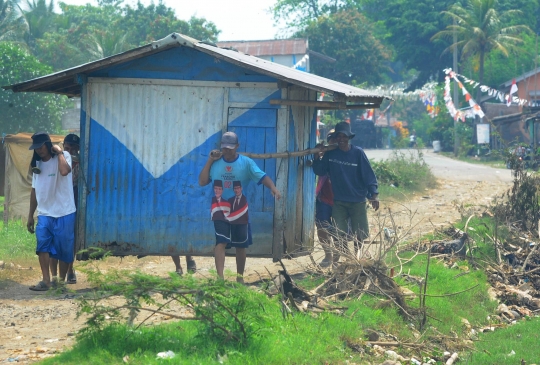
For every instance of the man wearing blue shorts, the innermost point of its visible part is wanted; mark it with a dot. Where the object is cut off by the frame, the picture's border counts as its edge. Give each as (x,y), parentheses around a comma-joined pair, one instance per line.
(52,196)
(230,172)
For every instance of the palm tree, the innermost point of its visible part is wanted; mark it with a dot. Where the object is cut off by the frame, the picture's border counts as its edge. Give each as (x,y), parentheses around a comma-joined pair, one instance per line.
(40,17)
(104,43)
(480,29)
(13,26)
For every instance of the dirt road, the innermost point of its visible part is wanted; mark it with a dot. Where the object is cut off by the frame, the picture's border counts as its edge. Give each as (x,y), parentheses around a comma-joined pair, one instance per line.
(34,325)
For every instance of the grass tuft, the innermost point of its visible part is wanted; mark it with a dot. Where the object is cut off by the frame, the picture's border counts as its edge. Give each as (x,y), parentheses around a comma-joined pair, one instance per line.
(16,242)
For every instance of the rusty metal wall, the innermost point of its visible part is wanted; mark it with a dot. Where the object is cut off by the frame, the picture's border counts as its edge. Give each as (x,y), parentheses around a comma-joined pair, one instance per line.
(269,47)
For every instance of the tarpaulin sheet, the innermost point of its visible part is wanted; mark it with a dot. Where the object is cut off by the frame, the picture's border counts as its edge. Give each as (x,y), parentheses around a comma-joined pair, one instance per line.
(18,175)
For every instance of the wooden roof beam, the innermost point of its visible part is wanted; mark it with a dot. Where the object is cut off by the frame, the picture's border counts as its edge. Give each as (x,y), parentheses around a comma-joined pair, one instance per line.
(324,104)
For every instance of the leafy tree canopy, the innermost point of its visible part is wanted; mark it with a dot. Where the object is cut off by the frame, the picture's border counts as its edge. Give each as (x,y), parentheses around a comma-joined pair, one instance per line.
(13,26)
(480,28)
(86,33)
(410,24)
(297,14)
(500,68)
(529,12)
(347,37)
(26,112)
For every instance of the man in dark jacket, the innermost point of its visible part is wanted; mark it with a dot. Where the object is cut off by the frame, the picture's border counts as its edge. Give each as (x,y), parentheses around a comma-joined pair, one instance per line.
(353,183)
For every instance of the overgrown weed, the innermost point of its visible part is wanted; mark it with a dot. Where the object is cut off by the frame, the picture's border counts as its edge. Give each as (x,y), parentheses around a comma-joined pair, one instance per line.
(18,243)
(405,170)
(17,251)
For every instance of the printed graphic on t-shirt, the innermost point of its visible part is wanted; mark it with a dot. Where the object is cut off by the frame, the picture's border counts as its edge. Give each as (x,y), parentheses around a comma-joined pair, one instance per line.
(346,163)
(231,177)
(239,206)
(220,207)
(233,210)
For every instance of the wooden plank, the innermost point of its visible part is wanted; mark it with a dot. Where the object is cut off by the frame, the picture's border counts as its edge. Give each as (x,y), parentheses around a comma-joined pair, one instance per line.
(328,104)
(325,105)
(281,183)
(137,81)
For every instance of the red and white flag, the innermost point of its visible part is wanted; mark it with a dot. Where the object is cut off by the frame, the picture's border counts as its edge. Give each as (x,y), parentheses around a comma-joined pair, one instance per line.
(513,90)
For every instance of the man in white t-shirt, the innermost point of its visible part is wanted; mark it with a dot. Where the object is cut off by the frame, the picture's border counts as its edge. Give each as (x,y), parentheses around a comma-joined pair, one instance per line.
(52,196)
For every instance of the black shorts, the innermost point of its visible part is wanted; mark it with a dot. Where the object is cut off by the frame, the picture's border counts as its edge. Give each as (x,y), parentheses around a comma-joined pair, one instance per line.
(233,235)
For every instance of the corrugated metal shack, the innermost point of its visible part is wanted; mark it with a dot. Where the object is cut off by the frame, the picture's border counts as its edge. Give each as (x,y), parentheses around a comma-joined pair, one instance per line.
(149,118)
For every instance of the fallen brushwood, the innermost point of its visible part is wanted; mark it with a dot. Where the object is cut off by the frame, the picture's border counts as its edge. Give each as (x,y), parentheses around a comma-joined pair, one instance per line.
(511,295)
(299,299)
(451,247)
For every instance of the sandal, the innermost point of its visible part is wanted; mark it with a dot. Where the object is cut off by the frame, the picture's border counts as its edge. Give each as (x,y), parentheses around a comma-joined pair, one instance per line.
(71,278)
(191,266)
(41,286)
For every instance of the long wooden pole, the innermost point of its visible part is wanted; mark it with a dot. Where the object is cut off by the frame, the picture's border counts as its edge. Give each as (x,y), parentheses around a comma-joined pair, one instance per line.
(302,153)
(309,151)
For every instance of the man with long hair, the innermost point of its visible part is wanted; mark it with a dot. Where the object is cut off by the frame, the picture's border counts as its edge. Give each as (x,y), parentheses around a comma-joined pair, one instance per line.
(52,196)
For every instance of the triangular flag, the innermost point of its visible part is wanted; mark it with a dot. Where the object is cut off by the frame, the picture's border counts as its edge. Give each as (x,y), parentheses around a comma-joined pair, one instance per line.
(513,89)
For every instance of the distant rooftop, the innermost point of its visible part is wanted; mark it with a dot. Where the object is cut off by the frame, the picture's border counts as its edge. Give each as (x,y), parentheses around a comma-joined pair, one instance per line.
(272,47)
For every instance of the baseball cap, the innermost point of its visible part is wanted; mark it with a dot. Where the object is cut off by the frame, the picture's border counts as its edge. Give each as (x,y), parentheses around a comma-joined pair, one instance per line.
(330,135)
(72,139)
(229,140)
(39,139)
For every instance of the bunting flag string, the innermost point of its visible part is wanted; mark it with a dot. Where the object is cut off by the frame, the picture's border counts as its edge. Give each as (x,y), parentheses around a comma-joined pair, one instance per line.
(457,114)
(501,96)
(427,95)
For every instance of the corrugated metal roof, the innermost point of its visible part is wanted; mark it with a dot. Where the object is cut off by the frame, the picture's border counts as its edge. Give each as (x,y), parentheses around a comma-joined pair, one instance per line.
(521,77)
(65,82)
(272,47)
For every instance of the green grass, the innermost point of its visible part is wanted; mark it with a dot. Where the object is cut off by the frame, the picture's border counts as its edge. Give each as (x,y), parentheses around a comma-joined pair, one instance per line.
(300,339)
(16,243)
(455,293)
(444,306)
(521,338)
(304,338)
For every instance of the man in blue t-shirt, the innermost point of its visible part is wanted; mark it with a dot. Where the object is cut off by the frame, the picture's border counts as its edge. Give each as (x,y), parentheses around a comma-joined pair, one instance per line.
(353,184)
(230,170)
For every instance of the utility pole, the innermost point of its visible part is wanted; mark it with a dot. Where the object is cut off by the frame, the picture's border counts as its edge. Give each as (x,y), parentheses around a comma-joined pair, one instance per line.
(456,95)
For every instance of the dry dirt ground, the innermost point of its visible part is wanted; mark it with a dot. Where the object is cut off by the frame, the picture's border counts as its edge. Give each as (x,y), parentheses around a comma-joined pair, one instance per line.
(34,325)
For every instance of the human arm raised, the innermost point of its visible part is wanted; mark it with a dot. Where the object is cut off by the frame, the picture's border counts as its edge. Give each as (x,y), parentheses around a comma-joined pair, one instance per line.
(204,175)
(63,165)
(320,163)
